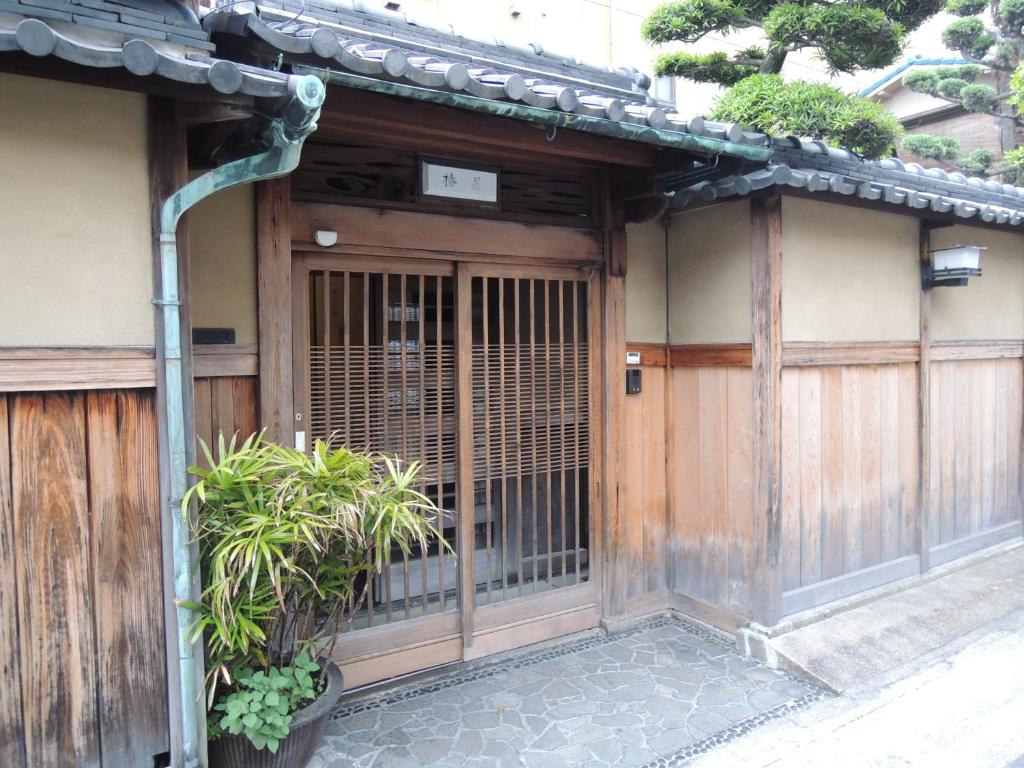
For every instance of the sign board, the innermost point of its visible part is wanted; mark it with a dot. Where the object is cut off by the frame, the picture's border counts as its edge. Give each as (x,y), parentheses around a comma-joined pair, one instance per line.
(457,182)
(632,358)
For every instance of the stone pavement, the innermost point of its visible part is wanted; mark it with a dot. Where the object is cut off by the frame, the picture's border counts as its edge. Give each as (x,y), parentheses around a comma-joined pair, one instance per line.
(652,696)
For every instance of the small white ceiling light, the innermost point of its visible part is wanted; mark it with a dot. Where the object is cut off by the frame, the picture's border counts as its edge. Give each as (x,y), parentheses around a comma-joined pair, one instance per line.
(952,266)
(325,238)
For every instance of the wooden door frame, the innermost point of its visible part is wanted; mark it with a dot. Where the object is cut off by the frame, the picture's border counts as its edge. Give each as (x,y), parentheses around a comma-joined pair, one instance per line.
(427,641)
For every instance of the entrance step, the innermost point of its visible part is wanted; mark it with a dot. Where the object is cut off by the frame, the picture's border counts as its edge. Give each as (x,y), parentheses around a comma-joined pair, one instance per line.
(882,640)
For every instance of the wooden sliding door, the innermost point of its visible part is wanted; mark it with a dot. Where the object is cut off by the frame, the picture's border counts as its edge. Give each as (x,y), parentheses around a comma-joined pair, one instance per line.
(483,375)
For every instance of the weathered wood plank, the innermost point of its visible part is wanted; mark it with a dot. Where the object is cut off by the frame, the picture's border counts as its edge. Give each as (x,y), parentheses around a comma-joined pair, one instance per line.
(790,549)
(740,439)
(125,533)
(12,732)
(924,396)
(614,326)
(810,476)
(274,275)
(766,324)
(889,461)
(714,479)
(962,444)
(871,487)
(55,598)
(909,458)
(655,493)
(946,428)
(805,353)
(707,355)
(832,522)
(42,369)
(852,477)
(684,481)
(634,488)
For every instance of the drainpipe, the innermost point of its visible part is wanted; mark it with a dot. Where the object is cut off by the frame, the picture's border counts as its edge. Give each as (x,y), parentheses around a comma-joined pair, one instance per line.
(285,136)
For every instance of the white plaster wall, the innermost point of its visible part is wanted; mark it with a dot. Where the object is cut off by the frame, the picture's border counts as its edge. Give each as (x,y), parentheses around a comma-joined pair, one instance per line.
(75,227)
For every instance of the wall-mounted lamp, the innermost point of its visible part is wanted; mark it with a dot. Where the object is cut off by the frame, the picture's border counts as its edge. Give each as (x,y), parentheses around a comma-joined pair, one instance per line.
(952,266)
(325,238)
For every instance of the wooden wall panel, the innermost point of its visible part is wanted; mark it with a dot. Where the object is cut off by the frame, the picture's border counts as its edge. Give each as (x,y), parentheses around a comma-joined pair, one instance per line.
(55,599)
(12,743)
(976,444)
(228,405)
(124,499)
(710,455)
(644,495)
(83,630)
(849,469)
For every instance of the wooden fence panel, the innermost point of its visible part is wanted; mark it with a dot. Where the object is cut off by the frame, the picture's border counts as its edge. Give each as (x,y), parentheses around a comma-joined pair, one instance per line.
(81,619)
(12,743)
(849,469)
(225,404)
(49,477)
(124,498)
(710,454)
(976,443)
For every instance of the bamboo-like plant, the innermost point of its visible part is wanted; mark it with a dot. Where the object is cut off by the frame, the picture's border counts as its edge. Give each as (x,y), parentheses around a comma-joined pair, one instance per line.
(284,539)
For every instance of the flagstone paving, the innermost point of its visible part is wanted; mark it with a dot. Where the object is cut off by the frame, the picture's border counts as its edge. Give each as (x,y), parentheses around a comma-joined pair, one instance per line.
(655,695)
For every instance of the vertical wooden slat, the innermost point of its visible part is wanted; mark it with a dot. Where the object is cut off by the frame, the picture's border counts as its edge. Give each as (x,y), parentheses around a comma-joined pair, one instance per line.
(962,448)
(328,389)
(204,411)
(548,438)
(1000,416)
(403,401)
(654,491)
(740,431)
(366,410)
(245,395)
(810,475)
(274,258)
(12,731)
(124,516)
(439,383)
(346,345)
(385,345)
(517,377)
(580,414)
(790,486)
(55,597)
(686,481)
(924,410)
(871,492)
(464,400)
(832,429)
(563,452)
(766,287)
(852,477)
(976,444)
(421,427)
(946,374)
(633,483)
(534,427)
(503,428)
(987,396)
(909,458)
(889,433)
(486,416)
(714,483)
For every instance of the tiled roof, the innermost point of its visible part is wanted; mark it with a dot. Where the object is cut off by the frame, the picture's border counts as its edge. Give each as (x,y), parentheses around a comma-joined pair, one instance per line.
(817,168)
(354,37)
(152,19)
(131,38)
(920,61)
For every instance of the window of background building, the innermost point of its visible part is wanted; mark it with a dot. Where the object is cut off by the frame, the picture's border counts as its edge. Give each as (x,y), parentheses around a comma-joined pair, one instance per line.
(665,89)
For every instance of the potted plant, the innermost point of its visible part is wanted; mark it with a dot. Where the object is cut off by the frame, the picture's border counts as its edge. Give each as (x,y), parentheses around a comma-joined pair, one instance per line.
(286,542)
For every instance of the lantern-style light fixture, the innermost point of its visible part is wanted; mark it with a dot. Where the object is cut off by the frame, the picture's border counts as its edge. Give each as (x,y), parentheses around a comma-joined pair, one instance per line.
(952,266)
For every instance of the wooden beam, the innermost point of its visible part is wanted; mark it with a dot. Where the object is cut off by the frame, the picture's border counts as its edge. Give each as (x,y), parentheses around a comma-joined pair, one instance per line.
(616,576)
(39,369)
(274,278)
(766,277)
(364,116)
(796,353)
(709,355)
(924,401)
(213,360)
(464,400)
(168,171)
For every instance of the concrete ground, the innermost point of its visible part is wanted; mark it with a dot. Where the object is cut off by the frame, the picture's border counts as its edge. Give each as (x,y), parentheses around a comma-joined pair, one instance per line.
(962,708)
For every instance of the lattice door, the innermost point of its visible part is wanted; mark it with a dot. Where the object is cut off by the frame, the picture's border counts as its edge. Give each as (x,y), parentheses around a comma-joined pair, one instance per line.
(376,364)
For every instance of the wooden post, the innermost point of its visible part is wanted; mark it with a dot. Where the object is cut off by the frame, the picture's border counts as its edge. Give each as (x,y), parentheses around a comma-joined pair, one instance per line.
(464,455)
(274,270)
(924,402)
(766,277)
(616,575)
(168,172)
